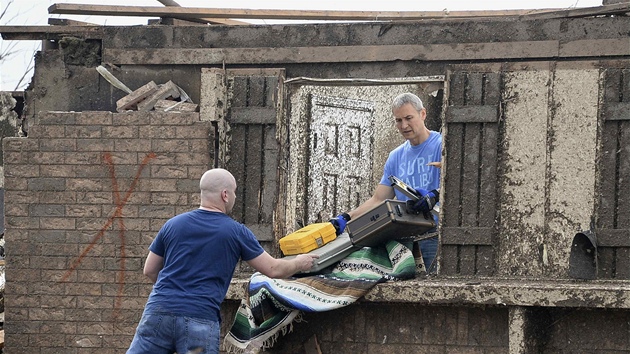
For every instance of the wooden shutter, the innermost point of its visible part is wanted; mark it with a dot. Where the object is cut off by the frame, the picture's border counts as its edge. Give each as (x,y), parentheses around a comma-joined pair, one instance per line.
(246,105)
(470,176)
(613,211)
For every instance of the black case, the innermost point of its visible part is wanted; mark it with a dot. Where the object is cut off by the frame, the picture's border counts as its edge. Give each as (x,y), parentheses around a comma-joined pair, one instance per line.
(387,221)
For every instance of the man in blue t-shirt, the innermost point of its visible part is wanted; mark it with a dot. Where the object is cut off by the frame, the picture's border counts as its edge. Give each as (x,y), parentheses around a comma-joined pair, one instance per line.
(191,262)
(416,162)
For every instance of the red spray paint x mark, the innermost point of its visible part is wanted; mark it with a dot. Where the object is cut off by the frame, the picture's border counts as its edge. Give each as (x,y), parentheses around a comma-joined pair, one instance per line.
(120,204)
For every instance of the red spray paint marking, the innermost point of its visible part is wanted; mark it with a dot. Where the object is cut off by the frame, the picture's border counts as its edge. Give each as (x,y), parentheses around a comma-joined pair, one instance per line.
(120,204)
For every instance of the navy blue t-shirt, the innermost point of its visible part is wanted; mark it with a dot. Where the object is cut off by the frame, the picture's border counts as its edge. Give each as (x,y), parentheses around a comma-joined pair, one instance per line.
(201,249)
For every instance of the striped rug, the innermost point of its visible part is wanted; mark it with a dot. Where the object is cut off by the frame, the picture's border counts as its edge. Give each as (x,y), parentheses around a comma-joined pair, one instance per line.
(275,304)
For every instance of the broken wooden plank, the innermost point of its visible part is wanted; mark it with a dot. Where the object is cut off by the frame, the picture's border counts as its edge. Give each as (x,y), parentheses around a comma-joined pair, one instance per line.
(131,101)
(327,54)
(164,91)
(206,20)
(200,12)
(611,9)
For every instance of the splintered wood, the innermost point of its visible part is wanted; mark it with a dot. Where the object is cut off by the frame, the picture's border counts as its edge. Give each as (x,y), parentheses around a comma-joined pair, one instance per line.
(165,97)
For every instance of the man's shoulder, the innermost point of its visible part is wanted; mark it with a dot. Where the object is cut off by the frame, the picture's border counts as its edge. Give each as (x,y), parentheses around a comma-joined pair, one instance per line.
(435,135)
(435,138)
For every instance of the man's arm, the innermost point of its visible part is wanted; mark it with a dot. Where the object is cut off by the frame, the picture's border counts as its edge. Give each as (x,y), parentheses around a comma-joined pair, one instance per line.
(381,193)
(281,268)
(152,266)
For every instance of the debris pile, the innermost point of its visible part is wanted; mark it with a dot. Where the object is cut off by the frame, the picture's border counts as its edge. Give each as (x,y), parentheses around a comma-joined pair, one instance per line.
(165,97)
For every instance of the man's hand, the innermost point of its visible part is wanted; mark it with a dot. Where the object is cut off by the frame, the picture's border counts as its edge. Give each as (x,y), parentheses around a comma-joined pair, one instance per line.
(339,222)
(427,201)
(305,261)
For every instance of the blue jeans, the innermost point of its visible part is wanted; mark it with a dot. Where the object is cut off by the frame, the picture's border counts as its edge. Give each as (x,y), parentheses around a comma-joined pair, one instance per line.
(428,248)
(165,334)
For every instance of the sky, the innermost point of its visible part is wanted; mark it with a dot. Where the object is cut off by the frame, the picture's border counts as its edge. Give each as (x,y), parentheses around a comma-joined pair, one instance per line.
(17,56)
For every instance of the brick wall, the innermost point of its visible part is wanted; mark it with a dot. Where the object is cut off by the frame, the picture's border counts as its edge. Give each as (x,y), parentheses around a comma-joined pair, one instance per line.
(381,328)
(85,194)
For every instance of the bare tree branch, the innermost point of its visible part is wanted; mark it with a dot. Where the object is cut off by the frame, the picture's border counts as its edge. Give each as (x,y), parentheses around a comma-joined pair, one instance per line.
(31,67)
(4,11)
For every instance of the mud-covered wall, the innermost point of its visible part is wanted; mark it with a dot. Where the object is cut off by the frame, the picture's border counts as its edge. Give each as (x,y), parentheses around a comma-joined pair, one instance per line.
(137,55)
(550,144)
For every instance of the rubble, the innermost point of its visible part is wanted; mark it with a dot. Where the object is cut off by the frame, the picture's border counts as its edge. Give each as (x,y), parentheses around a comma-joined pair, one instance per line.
(164,97)
(130,102)
(151,96)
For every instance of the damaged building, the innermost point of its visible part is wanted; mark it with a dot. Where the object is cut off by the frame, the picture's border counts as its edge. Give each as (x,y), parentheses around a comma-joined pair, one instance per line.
(534,230)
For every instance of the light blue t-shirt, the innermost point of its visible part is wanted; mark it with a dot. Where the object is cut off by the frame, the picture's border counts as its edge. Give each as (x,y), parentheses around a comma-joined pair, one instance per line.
(201,249)
(409,163)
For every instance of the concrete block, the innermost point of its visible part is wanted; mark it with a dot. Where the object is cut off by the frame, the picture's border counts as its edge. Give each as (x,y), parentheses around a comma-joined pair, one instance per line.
(212,104)
(166,90)
(131,101)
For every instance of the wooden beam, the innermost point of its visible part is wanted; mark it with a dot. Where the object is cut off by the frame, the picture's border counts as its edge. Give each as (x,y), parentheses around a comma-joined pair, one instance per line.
(472,114)
(207,20)
(199,12)
(328,54)
(66,22)
(612,9)
(617,111)
(613,237)
(467,236)
(30,33)
(596,47)
(550,49)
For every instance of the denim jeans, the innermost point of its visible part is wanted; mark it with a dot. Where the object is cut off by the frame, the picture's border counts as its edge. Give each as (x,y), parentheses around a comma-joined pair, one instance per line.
(165,334)
(428,248)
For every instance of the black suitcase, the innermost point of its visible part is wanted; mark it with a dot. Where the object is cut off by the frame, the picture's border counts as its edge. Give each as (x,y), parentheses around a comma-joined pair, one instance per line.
(387,221)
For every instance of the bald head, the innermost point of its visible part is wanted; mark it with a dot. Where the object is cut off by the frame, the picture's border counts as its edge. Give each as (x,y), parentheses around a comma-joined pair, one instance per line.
(218,188)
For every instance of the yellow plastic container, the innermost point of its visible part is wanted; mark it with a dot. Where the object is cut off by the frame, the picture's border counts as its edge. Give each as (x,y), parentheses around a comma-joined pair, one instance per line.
(308,238)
